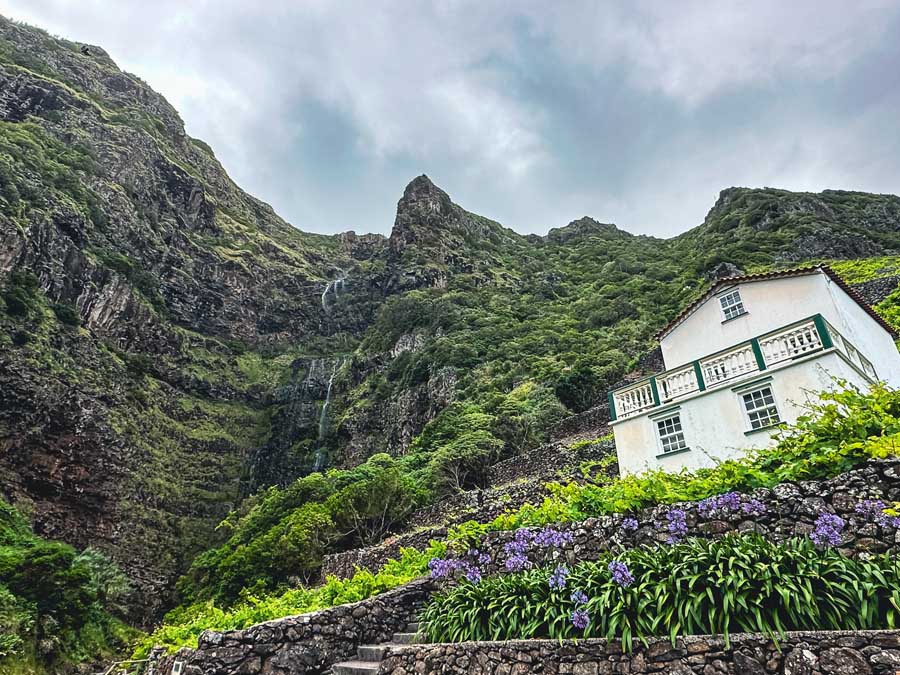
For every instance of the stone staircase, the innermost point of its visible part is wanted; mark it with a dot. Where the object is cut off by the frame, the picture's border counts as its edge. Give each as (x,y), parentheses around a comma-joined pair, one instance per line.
(368,657)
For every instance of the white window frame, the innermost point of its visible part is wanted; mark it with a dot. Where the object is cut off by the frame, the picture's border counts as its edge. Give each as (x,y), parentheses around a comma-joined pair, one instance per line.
(727,295)
(662,437)
(766,406)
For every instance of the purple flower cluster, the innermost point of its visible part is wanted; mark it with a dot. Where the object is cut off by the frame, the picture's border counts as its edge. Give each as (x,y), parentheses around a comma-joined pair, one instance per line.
(550,537)
(730,502)
(579,597)
(581,619)
(873,511)
(621,574)
(524,539)
(676,525)
(828,530)
(558,578)
(517,549)
(629,524)
(469,567)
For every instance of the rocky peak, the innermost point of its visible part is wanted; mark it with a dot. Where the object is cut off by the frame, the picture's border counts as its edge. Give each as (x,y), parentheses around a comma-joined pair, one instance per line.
(583,227)
(424,213)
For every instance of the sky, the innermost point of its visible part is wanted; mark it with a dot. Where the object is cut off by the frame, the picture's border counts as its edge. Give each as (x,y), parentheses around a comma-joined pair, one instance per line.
(528,112)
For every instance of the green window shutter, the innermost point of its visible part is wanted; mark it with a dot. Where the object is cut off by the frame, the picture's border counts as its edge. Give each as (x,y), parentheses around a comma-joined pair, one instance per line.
(757,352)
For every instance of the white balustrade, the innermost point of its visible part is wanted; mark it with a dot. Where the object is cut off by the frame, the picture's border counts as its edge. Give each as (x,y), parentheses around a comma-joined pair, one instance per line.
(678,382)
(790,343)
(851,352)
(776,348)
(729,365)
(634,400)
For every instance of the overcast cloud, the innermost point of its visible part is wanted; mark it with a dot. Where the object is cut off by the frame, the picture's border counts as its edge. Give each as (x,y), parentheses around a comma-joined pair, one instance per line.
(531,113)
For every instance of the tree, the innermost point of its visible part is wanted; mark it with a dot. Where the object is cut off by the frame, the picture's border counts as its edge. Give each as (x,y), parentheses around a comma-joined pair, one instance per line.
(384,495)
(464,462)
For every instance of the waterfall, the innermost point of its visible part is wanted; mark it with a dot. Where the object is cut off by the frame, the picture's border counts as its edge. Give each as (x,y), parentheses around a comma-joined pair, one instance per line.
(335,286)
(323,420)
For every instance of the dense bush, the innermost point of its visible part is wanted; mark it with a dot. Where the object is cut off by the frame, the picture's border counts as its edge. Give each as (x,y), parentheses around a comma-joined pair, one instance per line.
(284,532)
(741,583)
(55,604)
(22,295)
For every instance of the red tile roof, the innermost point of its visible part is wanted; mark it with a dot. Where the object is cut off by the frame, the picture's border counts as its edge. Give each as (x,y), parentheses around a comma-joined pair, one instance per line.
(764,276)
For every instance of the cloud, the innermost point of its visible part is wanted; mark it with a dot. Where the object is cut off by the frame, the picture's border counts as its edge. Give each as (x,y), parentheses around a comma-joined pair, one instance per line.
(637,112)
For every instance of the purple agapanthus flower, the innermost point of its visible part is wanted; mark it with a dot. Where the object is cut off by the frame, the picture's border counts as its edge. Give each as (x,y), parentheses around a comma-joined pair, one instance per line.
(517,562)
(753,507)
(550,537)
(629,524)
(557,580)
(621,574)
(581,619)
(443,568)
(828,530)
(676,525)
(873,511)
(579,597)
(730,502)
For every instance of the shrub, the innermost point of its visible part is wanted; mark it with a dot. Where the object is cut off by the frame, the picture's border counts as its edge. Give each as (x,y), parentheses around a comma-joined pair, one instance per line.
(22,295)
(739,583)
(67,314)
(55,603)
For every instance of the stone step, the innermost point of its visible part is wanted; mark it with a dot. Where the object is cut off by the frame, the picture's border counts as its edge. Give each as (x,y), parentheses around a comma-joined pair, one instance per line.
(371,652)
(407,638)
(413,627)
(356,668)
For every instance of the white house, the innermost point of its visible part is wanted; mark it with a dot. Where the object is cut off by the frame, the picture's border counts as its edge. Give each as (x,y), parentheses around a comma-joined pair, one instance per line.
(747,355)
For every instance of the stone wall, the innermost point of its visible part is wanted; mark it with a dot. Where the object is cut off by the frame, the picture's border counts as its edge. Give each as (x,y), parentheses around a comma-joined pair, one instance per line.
(302,645)
(876,290)
(588,424)
(812,653)
(518,480)
(791,510)
(549,461)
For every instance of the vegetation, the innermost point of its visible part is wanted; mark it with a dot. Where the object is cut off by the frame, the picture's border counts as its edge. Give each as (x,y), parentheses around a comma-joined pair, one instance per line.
(842,430)
(183,625)
(57,606)
(741,583)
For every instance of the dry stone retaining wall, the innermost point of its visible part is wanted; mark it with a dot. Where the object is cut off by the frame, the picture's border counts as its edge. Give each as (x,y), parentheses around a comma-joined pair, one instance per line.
(812,653)
(540,465)
(791,510)
(301,645)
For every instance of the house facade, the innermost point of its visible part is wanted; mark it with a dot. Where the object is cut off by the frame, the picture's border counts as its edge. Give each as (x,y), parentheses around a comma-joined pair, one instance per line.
(748,355)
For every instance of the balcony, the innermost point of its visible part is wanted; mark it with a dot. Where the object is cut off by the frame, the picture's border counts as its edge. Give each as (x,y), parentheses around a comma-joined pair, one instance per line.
(754,356)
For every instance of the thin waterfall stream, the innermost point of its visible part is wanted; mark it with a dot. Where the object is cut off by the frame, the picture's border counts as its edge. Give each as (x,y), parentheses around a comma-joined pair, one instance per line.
(335,286)
(319,461)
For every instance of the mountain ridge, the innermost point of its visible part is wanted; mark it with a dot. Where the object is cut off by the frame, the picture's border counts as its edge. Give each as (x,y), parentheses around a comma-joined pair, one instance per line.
(170,345)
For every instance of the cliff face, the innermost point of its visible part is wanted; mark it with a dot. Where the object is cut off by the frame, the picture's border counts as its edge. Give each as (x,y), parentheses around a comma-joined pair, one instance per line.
(168,344)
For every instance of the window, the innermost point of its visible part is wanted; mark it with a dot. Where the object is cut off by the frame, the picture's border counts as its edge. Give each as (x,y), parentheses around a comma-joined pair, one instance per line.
(760,407)
(732,306)
(671,436)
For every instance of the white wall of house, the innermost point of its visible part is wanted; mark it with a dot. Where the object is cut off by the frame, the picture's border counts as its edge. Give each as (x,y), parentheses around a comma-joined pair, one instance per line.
(714,422)
(772,304)
(875,343)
